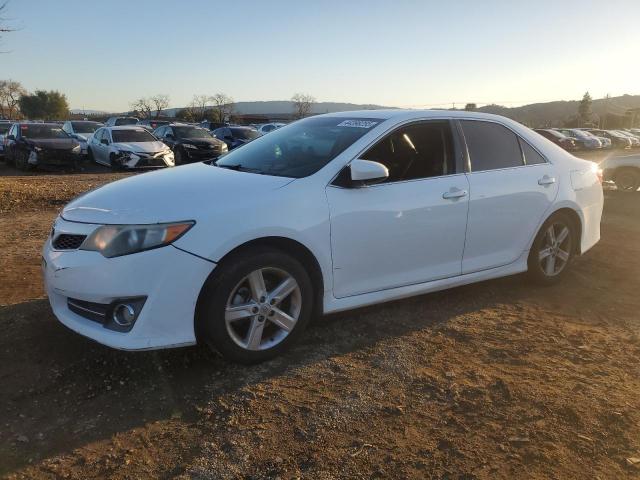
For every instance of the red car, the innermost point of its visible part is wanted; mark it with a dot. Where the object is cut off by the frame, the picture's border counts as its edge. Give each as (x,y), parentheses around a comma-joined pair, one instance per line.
(558,138)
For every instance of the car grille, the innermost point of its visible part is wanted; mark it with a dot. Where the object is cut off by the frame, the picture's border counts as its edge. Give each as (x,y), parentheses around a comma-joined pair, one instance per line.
(67,241)
(96,312)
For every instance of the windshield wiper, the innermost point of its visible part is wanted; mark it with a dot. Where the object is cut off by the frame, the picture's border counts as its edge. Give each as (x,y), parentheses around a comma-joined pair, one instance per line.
(238,167)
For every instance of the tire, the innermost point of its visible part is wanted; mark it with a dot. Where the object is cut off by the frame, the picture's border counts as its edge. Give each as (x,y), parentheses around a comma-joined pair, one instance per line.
(232,287)
(113,164)
(550,258)
(90,156)
(627,179)
(178,156)
(21,161)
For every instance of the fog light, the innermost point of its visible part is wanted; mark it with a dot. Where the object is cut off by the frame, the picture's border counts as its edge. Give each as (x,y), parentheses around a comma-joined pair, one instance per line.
(124,314)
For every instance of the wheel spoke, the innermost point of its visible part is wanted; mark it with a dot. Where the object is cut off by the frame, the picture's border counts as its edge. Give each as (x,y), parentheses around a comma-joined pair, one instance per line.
(238,312)
(254,336)
(551,235)
(564,233)
(544,253)
(562,255)
(282,291)
(283,320)
(256,282)
(550,268)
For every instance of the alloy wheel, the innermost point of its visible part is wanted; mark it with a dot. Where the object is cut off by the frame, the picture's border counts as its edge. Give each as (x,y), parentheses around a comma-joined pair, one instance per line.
(554,253)
(263,309)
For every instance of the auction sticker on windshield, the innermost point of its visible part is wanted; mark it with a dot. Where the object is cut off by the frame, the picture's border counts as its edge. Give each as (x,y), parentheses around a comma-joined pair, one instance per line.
(357,123)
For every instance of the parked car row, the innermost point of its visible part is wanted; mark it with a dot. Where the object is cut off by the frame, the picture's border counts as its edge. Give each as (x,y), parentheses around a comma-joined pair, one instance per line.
(572,139)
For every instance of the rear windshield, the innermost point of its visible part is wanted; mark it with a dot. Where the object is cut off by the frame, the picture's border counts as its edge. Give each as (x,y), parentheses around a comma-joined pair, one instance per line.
(42,131)
(299,149)
(244,133)
(126,136)
(126,121)
(85,127)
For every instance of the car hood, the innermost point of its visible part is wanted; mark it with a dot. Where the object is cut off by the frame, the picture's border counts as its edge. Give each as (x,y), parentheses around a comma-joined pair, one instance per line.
(53,143)
(189,192)
(145,147)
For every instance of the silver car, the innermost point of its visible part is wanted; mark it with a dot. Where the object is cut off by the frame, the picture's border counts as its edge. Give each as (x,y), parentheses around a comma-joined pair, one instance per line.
(128,147)
(82,131)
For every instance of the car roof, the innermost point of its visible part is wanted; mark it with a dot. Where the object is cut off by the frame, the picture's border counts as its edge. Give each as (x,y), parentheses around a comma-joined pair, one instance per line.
(127,127)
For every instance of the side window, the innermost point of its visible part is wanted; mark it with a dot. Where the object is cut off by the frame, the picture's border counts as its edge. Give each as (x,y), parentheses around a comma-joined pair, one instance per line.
(66,127)
(531,157)
(491,146)
(169,130)
(160,132)
(98,135)
(419,150)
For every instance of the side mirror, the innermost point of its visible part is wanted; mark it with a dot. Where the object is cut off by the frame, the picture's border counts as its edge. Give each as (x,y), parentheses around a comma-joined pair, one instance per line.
(366,172)
(104,141)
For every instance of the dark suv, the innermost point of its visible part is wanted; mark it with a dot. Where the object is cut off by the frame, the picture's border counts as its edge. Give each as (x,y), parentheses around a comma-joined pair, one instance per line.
(190,143)
(31,144)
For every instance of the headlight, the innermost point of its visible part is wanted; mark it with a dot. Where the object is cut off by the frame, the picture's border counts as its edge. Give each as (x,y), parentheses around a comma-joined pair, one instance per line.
(224,148)
(37,149)
(117,240)
(76,149)
(188,145)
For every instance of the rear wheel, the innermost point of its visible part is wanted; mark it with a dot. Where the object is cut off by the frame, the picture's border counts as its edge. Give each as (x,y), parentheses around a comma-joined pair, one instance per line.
(627,179)
(552,250)
(257,305)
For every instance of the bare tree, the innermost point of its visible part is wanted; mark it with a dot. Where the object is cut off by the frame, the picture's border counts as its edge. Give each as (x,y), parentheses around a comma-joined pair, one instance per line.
(200,105)
(161,101)
(222,105)
(302,103)
(142,107)
(10,93)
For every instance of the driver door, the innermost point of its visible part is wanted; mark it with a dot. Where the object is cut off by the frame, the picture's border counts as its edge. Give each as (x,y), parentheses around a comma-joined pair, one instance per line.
(408,229)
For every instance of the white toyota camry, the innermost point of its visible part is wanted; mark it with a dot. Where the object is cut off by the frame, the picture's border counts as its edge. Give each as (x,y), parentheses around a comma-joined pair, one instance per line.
(329,213)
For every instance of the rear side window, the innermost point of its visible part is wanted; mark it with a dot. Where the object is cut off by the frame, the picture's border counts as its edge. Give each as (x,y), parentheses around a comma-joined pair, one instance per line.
(419,150)
(491,146)
(531,157)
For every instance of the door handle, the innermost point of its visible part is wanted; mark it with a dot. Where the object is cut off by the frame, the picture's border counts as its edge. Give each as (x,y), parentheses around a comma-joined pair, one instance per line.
(454,193)
(546,180)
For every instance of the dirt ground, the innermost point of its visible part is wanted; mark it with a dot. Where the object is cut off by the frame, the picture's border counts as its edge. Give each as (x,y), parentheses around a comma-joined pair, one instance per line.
(496,380)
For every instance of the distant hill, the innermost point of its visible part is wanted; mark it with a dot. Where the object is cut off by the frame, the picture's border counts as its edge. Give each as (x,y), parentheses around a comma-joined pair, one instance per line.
(550,114)
(284,107)
(553,114)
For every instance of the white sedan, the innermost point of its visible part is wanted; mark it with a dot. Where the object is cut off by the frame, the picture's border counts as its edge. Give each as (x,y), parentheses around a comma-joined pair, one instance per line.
(128,147)
(330,213)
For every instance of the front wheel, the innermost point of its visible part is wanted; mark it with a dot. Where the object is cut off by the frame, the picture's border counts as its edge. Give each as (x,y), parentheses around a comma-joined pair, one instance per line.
(256,306)
(178,156)
(552,250)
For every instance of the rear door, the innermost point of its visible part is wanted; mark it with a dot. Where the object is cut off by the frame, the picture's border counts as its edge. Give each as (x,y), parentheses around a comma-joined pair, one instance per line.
(511,187)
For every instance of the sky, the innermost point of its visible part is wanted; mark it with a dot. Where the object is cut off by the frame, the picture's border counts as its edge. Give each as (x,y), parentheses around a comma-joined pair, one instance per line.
(403,53)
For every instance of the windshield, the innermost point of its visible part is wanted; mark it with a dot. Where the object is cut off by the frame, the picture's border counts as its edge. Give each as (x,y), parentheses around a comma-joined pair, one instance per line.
(42,131)
(299,149)
(191,132)
(126,136)
(85,127)
(126,121)
(244,133)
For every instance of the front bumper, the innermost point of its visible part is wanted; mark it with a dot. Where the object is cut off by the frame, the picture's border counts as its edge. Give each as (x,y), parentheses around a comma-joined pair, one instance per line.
(53,157)
(168,277)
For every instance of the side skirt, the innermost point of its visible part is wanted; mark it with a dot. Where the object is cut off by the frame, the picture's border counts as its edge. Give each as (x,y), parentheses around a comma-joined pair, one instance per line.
(332,304)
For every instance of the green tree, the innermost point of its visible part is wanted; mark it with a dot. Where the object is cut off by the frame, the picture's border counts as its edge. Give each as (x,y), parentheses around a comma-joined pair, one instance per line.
(470,107)
(44,105)
(585,111)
